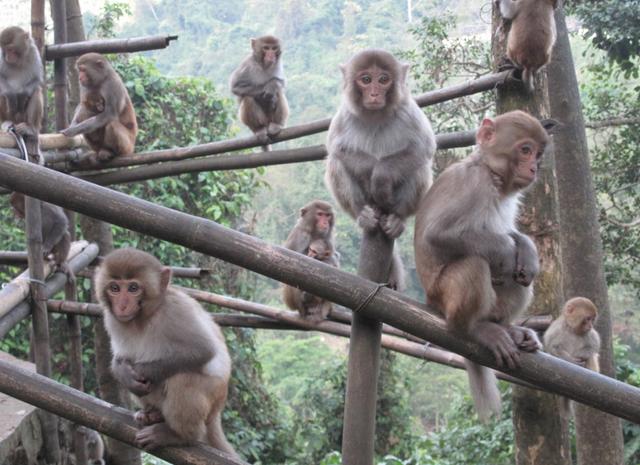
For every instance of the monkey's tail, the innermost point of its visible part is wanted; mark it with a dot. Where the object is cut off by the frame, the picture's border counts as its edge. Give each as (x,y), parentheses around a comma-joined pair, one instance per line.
(484,390)
(266,148)
(527,79)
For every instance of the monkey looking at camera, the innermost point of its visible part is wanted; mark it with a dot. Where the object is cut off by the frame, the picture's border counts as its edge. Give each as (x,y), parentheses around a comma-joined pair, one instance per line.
(315,222)
(474,264)
(380,145)
(105,115)
(532,34)
(21,80)
(167,351)
(259,85)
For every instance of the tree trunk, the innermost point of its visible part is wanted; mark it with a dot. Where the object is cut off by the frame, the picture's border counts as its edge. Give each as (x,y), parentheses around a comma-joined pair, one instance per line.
(541,434)
(100,233)
(599,435)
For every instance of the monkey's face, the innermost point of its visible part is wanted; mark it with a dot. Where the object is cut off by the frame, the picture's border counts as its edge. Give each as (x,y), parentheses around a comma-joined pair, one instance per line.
(526,154)
(270,54)
(324,220)
(125,298)
(373,84)
(586,323)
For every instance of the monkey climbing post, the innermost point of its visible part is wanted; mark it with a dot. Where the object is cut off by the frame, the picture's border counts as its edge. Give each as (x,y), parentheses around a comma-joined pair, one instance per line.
(206,236)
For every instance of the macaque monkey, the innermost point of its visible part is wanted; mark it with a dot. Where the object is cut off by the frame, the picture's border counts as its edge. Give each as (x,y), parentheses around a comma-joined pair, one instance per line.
(95,446)
(105,115)
(56,240)
(21,79)
(532,34)
(474,264)
(572,336)
(315,222)
(259,84)
(308,305)
(167,351)
(380,146)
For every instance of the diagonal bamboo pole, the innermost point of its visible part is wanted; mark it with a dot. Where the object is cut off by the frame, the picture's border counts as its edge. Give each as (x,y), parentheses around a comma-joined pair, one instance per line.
(208,237)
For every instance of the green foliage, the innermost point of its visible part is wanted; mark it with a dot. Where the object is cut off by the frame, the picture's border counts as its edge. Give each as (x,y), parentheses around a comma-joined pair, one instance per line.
(612,26)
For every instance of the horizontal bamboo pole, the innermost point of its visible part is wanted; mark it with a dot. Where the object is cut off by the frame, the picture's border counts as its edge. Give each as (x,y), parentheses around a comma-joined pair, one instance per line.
(133,44)
(242,161)
(484,83)
(176,272)
(13,259)
(17,290)
(53,284)
(96,414)
(206,236)
(47,142)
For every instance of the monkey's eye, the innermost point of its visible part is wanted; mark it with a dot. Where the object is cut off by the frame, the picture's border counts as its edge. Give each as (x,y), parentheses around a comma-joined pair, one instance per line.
(384,79)
(133,287)
(366,79)
(113,287)
(526,150)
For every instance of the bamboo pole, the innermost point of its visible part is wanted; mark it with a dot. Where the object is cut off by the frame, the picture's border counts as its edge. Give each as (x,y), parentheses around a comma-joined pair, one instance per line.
(18,289)
(47,142)
(133,44)
(53,285)
(96,414)
(484,83)
(242,161)
(59,13)
(14,259)
(176,272)
(210,238)
(290,321)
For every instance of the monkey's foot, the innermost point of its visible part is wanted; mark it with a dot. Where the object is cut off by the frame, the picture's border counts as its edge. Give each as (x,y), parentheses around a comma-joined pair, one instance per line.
(498,340)
(64,268)
(525,338)
(25,130)
(105,155)
(368,218)
(392,225)
(506,64)
(151,437)
(148,417)
(274,129)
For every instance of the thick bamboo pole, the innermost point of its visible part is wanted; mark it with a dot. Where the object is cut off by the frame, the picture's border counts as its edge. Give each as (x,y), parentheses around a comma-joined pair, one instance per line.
(484,83)
(243,161)
(53,285)
(106,418)
(47,142)
(134,44)
(208,237)
(59,13)
(17,290)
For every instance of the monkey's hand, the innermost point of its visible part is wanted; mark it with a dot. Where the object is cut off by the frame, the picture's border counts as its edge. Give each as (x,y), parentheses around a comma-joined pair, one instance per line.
(527,262)
(25,130)
(525,338)
(392,225)
(368,218)
(69,132)
(125,373)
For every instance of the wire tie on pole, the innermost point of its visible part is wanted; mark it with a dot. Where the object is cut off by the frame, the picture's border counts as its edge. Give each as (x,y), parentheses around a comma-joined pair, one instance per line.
(370,297)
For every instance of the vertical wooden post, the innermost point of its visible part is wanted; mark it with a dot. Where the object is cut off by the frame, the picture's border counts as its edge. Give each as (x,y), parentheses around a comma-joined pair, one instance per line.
(358,436)
(37,32)
(59,12)
(541,434)
(40,321)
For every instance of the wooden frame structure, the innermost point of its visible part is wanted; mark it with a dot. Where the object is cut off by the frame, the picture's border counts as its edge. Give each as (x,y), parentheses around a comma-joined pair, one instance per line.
(382,317)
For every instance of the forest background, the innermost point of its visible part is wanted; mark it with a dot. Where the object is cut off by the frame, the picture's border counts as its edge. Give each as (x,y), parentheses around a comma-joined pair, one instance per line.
(286,397)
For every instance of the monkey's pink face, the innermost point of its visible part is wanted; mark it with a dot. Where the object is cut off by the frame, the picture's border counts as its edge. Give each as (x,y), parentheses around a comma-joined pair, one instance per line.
(323,221)
(125,298)
(374,83)
(528,154)
(270,55)
(586,324)
(10,54)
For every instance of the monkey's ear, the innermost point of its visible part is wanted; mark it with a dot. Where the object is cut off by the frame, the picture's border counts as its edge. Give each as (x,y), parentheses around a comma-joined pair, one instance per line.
(165,278)
(253,42)
(549,125)
(487,132)
(404,72)
(303,211)
(343,70)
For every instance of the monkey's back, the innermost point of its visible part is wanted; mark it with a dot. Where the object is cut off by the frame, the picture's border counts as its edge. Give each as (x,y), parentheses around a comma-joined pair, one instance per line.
(532,36)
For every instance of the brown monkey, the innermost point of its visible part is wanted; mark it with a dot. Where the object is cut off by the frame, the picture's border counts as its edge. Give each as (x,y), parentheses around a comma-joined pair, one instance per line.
(572,336)
(308,305)
(474,264)
(56,239)
(532,34)
(380,146)
(95,446)
(105,114)
(315,222)
(21,79)
(166,350)
(259,84)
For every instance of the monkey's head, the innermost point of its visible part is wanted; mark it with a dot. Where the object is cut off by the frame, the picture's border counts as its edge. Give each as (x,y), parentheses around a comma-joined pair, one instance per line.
(580,314)
(512,146)
(130,284)
(93,69)
(374,82)
(317,217)
(14,42)
(320,250)
(266,50)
